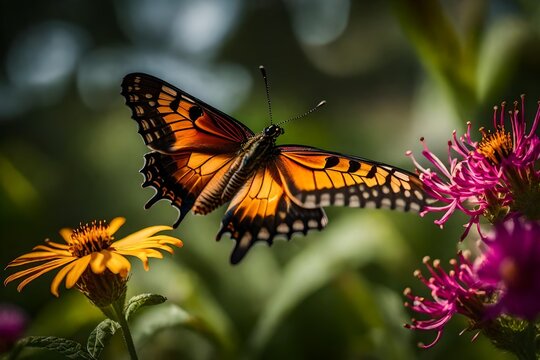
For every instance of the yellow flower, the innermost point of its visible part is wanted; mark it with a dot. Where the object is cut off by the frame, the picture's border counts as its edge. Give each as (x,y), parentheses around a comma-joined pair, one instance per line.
(91,260)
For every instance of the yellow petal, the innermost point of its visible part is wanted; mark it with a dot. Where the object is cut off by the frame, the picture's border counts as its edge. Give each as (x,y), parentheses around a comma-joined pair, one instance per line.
(140,235)
(36,269)
(97,262)
(66,234)
(150,243)
(79,267)
(142,256)
(115,224)
(26,281)
(51,249)
(59,277)
(117,264)
(36,257)
(56,245)
(166,239)
(147,253)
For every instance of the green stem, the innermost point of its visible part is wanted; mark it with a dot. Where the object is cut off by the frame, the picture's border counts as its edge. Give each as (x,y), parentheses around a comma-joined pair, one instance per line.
(118,307)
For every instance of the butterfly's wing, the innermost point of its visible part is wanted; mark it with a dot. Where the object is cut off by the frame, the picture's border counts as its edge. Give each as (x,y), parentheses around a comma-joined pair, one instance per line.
(287,194)
(322,178)
(170,120)
(181,177)
(262,210)
(193,142)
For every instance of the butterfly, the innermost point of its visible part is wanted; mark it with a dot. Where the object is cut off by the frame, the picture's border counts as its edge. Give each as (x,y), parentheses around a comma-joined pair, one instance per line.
(202,158)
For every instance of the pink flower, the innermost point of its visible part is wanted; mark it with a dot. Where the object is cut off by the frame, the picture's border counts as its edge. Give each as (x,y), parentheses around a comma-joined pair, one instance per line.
(511,264)
(455,292)
(13,322)
(492,178)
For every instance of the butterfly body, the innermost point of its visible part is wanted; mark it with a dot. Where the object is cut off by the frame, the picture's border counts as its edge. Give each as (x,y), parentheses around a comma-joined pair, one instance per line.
(203,158)
(254,152)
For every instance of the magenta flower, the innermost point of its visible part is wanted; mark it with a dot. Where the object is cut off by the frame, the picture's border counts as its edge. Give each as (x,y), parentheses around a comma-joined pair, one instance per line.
(492,178)
(455,292)
(511,264)
(13,322)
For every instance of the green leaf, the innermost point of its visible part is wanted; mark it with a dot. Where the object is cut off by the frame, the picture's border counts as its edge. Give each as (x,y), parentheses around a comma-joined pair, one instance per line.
(69,348)
(100,335)
(161,318)
(138,301)
(168,316)
(193,293)
(341,248)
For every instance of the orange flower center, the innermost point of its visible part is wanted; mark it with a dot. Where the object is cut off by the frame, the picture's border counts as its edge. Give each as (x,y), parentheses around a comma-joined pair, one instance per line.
(495,146)
(90,238)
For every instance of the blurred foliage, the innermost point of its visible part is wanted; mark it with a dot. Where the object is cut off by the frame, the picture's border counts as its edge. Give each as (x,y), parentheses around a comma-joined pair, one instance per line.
(390,71)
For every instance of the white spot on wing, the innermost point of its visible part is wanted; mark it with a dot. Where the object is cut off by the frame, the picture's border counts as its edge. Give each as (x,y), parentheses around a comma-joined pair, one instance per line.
(263,234)
(188,99)
(283,228)
(400,203)
(313,224)
(168,90)
(415,207)
(402,176)
(298,225)
(325,199)
(339,199)
(354,201)
(310,200)
(246,239)
(324,221)
(370,205)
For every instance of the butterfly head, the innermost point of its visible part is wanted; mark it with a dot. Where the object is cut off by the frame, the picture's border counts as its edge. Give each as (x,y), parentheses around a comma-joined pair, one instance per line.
(273,131)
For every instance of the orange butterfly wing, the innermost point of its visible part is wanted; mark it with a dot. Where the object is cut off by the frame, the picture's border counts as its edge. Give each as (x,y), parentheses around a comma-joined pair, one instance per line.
(181,177)
(170,120)
(193,142)
(262,210)
(322,178)
(286,196)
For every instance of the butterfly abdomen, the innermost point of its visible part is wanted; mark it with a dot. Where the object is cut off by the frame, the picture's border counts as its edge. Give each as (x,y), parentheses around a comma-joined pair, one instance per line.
(213,195)
(254,154)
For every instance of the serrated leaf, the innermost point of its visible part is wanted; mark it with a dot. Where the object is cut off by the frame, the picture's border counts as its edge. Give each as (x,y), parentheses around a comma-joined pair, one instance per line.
(69,348)
(100,335)
(139,301)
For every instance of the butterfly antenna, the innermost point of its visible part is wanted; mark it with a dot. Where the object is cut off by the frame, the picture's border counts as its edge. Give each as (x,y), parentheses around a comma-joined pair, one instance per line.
(267,88)
(323,102)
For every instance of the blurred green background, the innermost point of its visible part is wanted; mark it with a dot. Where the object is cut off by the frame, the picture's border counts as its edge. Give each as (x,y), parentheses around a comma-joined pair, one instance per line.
(390,71)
